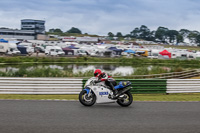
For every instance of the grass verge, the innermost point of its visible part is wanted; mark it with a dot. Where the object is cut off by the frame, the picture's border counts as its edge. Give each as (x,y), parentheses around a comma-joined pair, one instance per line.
(136,97)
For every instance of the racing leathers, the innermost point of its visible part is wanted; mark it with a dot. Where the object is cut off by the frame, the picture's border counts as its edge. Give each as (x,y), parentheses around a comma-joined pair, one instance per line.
(104,77)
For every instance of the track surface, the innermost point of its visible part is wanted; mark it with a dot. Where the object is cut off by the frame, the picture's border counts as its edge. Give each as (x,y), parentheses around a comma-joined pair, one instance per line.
(71,116)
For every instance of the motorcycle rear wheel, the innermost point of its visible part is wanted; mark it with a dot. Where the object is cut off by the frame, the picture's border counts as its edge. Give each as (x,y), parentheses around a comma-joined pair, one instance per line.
(126,101)
(85,100)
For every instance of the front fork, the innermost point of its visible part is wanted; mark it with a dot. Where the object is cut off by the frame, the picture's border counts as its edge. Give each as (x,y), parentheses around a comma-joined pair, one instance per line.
(89,94)
(88,91)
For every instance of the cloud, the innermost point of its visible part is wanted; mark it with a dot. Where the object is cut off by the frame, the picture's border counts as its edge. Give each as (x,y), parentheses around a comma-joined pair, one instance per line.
(103,16)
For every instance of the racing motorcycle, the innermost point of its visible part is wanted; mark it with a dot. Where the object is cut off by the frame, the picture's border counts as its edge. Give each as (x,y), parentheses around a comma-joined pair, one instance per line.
(100,93)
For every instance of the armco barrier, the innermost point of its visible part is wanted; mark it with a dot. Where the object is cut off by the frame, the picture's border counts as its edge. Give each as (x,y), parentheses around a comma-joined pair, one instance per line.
(74,86)
(183,85)
(40,85)
(148,86)
(145,85)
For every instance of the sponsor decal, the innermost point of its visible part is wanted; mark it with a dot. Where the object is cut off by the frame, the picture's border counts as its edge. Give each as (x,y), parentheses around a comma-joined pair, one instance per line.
(103,93)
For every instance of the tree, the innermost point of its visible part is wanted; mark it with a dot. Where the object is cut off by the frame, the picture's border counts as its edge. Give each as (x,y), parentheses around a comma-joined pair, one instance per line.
(110,34)
(55,30)
(172,35)
(58,31)
(74,30)
(51,30)
(152,36)
(135,33)
(119,34)
(161,34)
(144,32)
(127,35)
(198,40)
(193,36)
(179,38)
(184,32)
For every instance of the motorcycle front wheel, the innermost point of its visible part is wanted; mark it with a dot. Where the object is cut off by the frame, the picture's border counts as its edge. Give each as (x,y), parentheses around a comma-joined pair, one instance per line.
(85,99)
(125,102)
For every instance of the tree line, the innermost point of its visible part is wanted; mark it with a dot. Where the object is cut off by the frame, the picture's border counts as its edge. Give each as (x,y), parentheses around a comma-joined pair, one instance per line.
(162,34)
(72,30)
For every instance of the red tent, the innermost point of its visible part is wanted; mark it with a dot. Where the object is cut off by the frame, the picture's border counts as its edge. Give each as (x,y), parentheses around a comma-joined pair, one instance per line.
(165,52)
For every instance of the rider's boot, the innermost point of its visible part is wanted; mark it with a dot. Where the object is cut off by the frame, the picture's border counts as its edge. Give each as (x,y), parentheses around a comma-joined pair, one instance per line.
(114,95)
(114,92)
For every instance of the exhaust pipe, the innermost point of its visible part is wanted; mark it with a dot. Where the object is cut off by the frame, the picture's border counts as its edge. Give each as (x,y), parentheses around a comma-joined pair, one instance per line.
(123,91)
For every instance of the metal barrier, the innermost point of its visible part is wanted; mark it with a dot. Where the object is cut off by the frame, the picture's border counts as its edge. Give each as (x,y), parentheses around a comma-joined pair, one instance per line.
(172,75)
(183,85)
(148,86)
(145,85)
(74,86)
(40,85)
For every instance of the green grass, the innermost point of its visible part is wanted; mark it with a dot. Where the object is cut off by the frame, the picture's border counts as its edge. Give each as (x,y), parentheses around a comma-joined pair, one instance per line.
(24,71)
(136,97)
(38,97)
(132,61)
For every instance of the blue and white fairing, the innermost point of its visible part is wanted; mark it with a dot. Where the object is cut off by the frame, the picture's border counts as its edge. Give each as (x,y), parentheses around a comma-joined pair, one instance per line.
(101,94)
(100,90)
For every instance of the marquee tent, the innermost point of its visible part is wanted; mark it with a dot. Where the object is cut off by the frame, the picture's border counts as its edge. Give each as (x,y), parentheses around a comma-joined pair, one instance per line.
(117,51)
(2,40)
(72,47)
(68,51)
(130,51)
(165,53)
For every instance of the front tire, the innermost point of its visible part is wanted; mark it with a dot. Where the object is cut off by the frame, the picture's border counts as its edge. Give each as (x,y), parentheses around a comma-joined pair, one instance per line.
(85,100)
(125,102)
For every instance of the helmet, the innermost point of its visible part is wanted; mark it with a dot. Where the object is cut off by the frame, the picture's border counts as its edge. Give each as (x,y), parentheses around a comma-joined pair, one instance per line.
(97,72)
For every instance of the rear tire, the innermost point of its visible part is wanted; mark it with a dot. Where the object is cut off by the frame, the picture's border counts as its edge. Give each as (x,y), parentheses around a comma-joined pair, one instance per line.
(127,101)
(85,100)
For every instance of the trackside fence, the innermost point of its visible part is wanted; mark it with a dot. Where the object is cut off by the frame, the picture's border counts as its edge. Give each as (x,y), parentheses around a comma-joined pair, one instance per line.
(172,75)
(183,85)
(40,85)
(74,86)
(145,85)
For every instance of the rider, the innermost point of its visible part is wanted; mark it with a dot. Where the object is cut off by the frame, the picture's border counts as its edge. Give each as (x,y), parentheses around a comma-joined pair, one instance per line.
(102,76)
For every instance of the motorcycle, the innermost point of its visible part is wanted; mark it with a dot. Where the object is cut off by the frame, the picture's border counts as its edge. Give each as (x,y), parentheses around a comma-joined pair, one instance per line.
(100,93)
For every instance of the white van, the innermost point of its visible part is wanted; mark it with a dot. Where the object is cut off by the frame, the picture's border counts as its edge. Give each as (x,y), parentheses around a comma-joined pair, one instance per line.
(9,48)
(12,49)
(80,52)
(54,50)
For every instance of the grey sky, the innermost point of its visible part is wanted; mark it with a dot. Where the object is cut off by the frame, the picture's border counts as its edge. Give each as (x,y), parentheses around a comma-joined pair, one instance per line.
(103,16)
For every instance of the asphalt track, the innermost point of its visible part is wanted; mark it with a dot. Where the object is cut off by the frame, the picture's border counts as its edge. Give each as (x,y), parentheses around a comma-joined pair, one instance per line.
(71,117)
